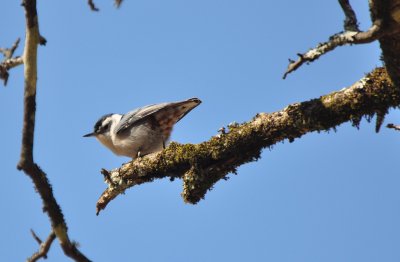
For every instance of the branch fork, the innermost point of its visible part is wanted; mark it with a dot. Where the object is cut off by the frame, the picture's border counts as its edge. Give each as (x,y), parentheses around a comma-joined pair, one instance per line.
(351,35)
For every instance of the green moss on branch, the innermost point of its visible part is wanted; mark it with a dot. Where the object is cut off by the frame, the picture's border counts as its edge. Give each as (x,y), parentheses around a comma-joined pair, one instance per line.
(202,165)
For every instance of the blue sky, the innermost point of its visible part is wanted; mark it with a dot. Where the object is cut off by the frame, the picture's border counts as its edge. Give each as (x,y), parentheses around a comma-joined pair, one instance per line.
(326,197)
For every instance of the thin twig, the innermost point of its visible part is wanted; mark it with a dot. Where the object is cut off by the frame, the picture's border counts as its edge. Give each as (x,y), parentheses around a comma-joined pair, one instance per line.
(42,40)
(44,247)
(9,62)
(118,3)
(345,38)
(36,237)
(7,65)
(350,22)
(92,6)
(393,126)
(9,52)
(107,177)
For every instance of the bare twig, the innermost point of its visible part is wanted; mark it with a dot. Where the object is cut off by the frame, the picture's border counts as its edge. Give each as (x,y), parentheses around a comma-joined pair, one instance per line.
(202,165)
(118,3)
(393,126)
(36,237)
(9,52)
(350,22)
(44,247)
(92,6)
(7,65)
(106,175)
(26,162)
(348,37)
(42,40)
(9,62)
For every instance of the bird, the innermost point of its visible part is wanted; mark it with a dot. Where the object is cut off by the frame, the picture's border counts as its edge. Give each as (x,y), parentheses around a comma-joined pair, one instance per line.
(142,131)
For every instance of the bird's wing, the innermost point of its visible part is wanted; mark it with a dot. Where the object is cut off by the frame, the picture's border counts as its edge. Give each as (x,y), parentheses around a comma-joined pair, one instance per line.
(166,114)
(136,116)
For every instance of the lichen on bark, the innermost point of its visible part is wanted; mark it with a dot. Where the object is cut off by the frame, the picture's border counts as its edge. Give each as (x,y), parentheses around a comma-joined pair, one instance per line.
(201,165)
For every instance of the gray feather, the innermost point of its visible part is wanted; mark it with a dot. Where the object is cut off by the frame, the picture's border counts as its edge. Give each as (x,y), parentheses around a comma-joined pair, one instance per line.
(136,116)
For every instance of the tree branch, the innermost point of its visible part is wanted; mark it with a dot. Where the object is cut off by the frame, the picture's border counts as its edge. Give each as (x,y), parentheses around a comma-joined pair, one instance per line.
(44,247)
(350,22)
(385,27)
(9,52)
(26,162)
(389,12)
(92,6)
(340,39)
(393,126)
(202,165)
(7,65)
(9,62)
(117,3)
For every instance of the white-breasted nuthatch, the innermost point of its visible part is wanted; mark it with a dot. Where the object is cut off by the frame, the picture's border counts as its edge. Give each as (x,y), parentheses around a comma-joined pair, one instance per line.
(141,131)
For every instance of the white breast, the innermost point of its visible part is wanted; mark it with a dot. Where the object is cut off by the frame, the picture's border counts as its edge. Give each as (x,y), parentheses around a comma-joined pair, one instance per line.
(141,138)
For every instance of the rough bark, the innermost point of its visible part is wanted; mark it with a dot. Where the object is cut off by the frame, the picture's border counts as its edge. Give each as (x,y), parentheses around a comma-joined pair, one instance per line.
(26,162)
(389,12)
(202,165)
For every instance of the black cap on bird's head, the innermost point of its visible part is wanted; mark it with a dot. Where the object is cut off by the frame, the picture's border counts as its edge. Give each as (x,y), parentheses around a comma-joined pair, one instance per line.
(99,128)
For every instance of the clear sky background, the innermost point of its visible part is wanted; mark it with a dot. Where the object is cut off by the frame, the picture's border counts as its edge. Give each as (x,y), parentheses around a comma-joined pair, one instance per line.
(326,197)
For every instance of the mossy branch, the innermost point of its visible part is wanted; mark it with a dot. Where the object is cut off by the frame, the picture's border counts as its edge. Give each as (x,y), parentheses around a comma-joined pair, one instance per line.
(202,165)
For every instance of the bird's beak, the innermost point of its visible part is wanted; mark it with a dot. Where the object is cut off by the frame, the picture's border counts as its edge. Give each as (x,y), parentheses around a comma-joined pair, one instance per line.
(89,135)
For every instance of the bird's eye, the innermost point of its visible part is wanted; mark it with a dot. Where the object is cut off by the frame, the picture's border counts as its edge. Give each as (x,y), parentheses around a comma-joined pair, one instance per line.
(106,127)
